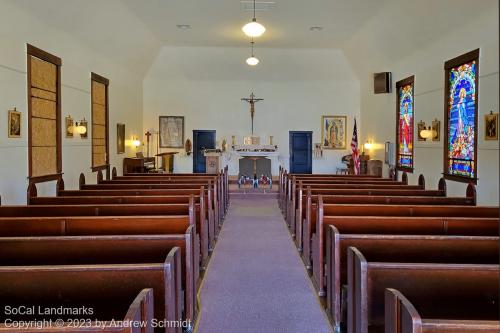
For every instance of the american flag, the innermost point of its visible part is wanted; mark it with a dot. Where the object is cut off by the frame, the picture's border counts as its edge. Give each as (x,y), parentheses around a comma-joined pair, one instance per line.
(354,147)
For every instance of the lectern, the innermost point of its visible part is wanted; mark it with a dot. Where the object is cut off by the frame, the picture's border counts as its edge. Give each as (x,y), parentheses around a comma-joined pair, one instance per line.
(212,162)
(167,161)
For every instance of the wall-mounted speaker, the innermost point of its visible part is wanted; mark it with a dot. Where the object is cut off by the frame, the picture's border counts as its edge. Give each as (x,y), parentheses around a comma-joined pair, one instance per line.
(382,83)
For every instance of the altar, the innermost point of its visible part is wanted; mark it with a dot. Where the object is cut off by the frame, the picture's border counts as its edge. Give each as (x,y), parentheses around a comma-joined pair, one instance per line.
(253,158)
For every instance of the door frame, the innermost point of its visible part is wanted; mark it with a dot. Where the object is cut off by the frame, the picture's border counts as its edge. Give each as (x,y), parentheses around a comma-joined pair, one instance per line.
(290,150)
(195,146)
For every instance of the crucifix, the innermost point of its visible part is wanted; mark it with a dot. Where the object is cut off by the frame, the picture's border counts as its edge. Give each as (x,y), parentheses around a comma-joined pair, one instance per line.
(148,135)
(252,100)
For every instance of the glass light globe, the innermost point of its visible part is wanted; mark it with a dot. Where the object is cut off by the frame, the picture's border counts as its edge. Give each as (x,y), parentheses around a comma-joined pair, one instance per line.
(252,61)
(253,29)
(136,143)
(80,129)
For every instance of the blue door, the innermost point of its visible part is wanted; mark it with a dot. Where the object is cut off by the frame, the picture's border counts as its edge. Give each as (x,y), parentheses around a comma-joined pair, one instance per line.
(202,139)
(300,152)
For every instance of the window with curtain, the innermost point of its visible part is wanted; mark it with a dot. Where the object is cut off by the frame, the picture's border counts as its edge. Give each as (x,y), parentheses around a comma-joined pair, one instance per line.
(44,116)
(100,126)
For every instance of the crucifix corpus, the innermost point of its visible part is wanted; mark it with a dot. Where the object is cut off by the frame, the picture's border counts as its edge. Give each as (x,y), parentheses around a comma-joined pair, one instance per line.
(252,100)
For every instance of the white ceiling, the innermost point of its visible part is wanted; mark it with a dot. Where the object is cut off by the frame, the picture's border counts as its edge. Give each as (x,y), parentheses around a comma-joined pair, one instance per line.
(132,32)
(219,22)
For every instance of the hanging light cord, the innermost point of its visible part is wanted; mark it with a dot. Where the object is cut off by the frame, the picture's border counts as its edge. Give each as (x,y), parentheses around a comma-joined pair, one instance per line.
(254,18)
(252,42)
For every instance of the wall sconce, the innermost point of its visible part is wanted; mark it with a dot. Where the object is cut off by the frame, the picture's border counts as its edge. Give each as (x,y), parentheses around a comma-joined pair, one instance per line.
(368,145)
(429,132)
(136,142)
(80,127)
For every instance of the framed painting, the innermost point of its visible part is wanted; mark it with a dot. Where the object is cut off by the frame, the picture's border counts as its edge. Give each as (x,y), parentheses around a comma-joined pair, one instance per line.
(171,132)
(460,114)
(333,132)
(405,114)
(120,138)
(69,126)
(491,126)
(14,123)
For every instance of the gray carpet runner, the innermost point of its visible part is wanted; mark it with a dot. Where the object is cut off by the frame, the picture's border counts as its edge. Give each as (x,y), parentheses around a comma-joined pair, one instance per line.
(256,281)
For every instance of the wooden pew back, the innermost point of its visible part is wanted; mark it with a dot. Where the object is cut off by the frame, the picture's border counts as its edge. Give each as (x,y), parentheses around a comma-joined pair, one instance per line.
(458,286)
(400,248)
(402,317)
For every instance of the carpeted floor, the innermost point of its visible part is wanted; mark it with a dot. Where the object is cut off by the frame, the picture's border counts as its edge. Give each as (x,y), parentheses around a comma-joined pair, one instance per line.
(256,281)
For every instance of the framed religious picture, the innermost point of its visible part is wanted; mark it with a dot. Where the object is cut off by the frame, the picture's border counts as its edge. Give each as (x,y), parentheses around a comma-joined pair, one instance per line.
(333,132)
(491,126)
(14,123)
(120,138)
(69,126)
(171,131)
(420,128)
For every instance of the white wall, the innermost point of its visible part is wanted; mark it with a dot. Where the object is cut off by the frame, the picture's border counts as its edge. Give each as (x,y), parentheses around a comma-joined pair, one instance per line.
(427,63)
(17,28)
(206,84)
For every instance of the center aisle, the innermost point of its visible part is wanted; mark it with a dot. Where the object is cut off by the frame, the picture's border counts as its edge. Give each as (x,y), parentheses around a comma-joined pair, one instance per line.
(256,281)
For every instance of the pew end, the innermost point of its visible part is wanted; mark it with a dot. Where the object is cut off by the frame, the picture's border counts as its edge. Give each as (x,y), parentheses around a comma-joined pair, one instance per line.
(404,178)
(400,315)
(81,181)
(31,192)
(421,181)
(114,173)
(471,193)
(100,176)
(442,186)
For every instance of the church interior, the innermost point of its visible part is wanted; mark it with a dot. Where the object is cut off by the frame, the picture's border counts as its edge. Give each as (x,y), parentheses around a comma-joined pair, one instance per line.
(249,166)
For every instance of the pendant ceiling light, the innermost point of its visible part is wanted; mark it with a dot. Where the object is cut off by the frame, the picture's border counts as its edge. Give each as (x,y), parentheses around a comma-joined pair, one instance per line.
(253,29)
(252,61)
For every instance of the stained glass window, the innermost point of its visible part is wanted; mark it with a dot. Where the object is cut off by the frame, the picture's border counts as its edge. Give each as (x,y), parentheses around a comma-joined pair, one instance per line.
(405,116)
(461,117)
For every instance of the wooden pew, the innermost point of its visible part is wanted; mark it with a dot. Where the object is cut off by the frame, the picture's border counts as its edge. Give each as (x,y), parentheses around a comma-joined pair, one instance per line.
(467,286)
(140,310)
(211,211)
(191,209)
(215,192)
(286,180)
(291,197)
(176,228)
(402,248)
(307,207)
(327,212)
(115,250)
(205,226)
(401,316)
(294,182)
(222,178)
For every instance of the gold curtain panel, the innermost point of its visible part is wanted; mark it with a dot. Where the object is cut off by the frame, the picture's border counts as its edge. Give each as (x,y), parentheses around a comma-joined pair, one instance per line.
(43,75)
(43,108)
(43,102)
(98,93)
(43,94)
(99,124)
(99,159)
(44,132)
(44,161)
(99,114)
